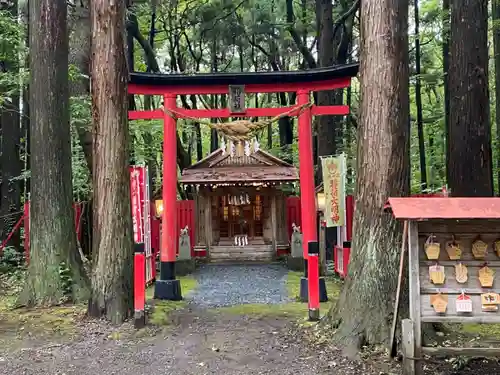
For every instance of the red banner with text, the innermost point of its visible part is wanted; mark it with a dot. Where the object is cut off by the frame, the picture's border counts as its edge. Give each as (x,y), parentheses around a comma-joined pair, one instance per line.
(141,214)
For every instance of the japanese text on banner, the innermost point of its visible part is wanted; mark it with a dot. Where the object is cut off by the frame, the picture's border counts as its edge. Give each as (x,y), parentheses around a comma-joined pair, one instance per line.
(334,185)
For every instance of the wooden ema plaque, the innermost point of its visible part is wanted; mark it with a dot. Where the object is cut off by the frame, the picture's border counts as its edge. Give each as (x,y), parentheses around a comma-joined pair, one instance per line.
(479,249)
(436,274)
(486,277)
(461,273)
(439,302)
(454,250)
(497,247)
(490,301)
(432,249)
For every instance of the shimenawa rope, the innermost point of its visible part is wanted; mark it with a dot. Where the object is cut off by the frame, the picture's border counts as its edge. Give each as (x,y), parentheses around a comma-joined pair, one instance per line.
(240,130)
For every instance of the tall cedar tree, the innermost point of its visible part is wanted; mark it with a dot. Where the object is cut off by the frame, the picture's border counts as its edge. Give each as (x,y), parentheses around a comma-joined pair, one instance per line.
(469,166)
(112,226)
(365,305)
(52,236)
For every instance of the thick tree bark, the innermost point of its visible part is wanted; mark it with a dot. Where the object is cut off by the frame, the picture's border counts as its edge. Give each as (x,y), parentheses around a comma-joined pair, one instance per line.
(362,314)
(470,161)
(446,70)
(11,166)
(496,49)
(53,238)
(112,227)
(418,103)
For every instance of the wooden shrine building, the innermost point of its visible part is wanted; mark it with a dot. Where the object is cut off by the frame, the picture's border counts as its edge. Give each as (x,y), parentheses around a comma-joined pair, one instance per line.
(240,206)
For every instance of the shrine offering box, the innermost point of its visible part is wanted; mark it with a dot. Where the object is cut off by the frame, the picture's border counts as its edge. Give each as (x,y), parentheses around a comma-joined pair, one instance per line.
(454,269)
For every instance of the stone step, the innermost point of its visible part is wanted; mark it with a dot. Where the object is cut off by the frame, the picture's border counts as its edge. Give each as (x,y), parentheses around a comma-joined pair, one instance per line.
(241,249)
(247,257)
(249,253)
(251,241)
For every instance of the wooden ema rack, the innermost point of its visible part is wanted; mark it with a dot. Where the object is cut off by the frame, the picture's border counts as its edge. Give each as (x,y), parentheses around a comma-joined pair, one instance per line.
(467,293)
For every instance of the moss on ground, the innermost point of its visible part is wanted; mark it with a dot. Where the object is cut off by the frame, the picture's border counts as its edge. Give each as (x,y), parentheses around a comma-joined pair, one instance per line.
(294,309)
(162,310)
(18,325)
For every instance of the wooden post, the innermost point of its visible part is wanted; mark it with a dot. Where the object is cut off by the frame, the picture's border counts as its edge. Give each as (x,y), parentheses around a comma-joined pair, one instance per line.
(322,245)
(139,286)
(415,313)
(408,344)
(393,346)
(208,220)
(273,222)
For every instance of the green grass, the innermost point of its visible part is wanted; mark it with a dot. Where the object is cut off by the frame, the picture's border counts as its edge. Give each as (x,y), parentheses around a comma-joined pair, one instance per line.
(160,315)
(333,286)
(482,330)
(294,310)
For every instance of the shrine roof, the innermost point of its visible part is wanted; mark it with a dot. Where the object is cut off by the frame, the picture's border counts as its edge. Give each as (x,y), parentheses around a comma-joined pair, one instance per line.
(279,77)
(444,208)
(220,167)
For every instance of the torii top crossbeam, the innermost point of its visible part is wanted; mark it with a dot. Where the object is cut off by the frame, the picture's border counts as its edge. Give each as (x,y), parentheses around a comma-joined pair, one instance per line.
(171,85)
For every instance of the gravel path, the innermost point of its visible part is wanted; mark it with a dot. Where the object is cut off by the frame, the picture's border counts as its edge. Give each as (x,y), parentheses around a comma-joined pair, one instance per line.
(201,343)
(227,285)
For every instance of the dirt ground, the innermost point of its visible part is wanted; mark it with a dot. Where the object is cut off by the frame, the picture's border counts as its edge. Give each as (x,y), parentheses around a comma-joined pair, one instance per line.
(182,339)
(200,342)
(197,343)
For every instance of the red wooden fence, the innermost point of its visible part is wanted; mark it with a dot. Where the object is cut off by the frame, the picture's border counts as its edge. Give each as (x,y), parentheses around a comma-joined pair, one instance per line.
(185,217)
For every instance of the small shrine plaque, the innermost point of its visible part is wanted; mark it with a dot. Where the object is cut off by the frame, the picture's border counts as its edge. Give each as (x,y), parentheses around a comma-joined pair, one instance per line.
(236,98)
(464,304)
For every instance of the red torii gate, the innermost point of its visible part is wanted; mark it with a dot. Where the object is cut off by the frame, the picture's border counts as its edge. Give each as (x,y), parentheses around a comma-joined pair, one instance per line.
(169,86)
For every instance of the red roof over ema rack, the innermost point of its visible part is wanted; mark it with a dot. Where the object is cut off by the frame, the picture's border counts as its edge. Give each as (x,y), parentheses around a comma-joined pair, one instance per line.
(413,208)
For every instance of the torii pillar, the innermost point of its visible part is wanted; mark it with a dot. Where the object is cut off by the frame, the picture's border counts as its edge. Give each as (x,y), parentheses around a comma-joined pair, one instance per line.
(168,287)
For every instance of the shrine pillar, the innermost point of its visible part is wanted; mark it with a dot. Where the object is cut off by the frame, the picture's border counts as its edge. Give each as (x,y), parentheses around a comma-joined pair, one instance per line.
(312,287)
(306,174)
(167,287)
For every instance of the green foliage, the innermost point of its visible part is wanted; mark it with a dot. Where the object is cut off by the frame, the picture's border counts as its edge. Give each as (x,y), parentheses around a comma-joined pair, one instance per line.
(251,35)
(11,260)
(66,279)
(12,51)
(80,119)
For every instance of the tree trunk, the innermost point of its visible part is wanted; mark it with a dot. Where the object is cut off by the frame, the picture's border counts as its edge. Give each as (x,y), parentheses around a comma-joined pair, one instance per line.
(53,238)
(112,231)
(496,49)
(446,70)
(365,305)
(418,103)
(11,166)
(470,163)
(327,129)
(214,136)
(334,39)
